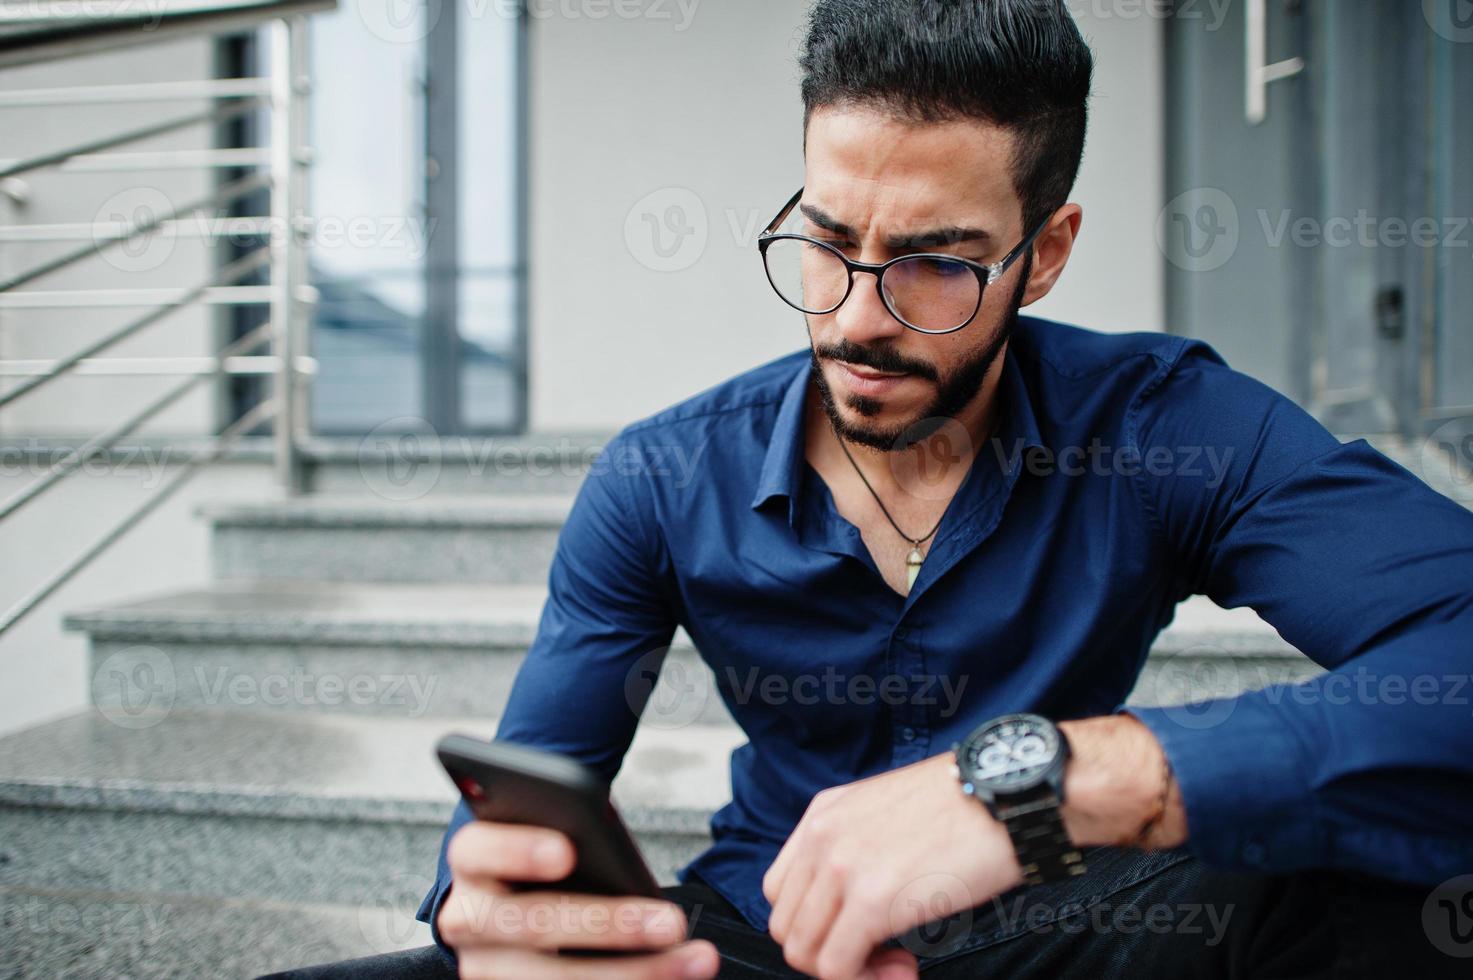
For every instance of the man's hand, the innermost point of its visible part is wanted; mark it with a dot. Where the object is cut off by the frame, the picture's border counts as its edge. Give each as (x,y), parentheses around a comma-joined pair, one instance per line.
(871,859)
(496,932)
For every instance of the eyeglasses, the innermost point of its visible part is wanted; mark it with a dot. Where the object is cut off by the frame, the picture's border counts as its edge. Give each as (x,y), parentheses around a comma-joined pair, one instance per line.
(927,291)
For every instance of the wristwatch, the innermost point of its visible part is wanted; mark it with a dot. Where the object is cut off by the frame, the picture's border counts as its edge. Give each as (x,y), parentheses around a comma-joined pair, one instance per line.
(1014,765)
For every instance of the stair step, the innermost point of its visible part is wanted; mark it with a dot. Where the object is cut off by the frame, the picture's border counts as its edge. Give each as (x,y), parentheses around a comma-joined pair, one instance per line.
(412,466)
(321,809)
(450,651)
(390,650)
(501,539)
(61,932)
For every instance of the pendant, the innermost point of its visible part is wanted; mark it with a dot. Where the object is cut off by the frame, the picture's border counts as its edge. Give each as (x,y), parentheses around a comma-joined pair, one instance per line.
(913,565)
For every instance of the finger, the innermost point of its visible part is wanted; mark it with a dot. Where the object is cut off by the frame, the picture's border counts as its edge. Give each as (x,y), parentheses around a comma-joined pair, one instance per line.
(772,881)
(887,963)
(809,928)
(852,938)
(465,917)
(689,961)
(485,852)
(553,920)
(785,908)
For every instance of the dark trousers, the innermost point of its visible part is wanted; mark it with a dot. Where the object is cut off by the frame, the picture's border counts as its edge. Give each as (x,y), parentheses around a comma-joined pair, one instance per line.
(1134,914)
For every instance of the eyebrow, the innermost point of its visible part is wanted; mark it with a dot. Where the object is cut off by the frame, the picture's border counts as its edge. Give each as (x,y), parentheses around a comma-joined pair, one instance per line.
(946,235)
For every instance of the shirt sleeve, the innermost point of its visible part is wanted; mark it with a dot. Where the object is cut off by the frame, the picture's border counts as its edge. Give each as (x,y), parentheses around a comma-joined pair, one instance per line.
(602,637)
(1363,568)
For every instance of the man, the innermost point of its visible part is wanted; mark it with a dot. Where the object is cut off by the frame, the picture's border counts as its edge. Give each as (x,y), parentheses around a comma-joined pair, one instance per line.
(942,490)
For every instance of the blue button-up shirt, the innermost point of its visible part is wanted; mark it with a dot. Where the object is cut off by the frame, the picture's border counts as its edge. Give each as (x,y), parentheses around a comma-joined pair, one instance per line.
(1127,473)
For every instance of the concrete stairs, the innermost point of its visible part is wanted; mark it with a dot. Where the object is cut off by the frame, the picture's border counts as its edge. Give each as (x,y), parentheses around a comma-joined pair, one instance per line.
(254,787)
(166,837)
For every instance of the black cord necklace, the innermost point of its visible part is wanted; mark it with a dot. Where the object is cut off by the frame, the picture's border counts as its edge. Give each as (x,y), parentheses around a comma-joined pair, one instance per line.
(915,558)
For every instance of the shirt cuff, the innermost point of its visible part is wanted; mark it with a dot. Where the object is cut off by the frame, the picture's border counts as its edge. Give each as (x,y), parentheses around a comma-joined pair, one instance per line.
(1244,780)
(429,909)
(429,912)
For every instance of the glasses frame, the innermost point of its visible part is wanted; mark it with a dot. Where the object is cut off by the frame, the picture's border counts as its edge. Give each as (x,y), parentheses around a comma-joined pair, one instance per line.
(986,274)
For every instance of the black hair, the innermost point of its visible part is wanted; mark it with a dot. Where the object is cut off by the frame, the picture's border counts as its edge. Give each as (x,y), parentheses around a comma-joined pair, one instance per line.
(1019,64)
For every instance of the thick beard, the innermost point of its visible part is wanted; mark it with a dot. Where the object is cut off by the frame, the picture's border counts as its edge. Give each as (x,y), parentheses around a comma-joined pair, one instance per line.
(953,393)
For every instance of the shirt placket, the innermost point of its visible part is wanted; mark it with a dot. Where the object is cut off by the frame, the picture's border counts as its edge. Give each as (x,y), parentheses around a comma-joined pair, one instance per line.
(910,720)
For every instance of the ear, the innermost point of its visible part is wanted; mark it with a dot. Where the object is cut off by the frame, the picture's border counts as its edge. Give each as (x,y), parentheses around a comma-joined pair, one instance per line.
(1051,251)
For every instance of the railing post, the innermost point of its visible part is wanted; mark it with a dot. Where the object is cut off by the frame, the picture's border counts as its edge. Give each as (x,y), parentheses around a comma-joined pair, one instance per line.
(292,295)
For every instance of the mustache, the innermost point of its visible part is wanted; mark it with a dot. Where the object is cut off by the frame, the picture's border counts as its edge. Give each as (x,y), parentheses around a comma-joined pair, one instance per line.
(883,359)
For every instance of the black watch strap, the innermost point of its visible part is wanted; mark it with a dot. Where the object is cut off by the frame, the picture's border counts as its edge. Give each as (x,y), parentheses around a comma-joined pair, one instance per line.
(1044,849)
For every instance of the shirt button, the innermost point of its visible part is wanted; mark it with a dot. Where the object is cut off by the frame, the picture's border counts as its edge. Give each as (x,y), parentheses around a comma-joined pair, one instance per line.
(907,734)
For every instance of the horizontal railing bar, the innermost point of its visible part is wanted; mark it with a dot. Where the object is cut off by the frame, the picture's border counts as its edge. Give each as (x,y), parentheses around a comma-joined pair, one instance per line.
(218,115)
(97,11)
(151,367)
(187,91)
(223,195)
(85,298)
(231,272)
(189,470)
(50,38)
(1448,412)
(96,163)
(196,227)
(69,464)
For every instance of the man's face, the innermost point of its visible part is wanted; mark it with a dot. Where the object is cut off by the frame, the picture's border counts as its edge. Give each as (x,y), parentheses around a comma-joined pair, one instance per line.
(877,187)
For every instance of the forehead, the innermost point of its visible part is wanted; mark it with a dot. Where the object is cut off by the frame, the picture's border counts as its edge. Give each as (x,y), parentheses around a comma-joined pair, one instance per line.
(877,172)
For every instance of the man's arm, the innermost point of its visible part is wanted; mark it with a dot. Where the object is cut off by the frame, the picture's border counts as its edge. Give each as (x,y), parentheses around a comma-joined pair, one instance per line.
(1354,560)
(1366,570)
(602,635)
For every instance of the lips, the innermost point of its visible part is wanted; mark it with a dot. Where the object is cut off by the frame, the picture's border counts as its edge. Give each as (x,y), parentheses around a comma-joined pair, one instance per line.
(867,381)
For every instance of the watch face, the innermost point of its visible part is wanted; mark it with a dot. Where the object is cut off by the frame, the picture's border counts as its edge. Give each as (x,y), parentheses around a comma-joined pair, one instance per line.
(1011,753)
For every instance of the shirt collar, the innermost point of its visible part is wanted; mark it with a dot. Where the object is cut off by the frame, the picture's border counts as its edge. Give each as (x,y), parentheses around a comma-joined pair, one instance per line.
(1018,426)
(1017,430)
(780,466)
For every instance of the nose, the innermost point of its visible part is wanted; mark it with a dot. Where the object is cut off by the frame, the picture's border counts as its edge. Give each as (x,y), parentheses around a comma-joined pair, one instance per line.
(863,317)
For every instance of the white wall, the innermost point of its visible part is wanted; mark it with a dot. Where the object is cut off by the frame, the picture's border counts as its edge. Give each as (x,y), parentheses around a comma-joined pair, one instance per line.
(43,668)
(1116,279)
(640,119)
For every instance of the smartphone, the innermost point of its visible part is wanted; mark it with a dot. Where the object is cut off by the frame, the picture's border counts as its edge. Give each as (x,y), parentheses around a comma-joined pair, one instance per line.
(510,783)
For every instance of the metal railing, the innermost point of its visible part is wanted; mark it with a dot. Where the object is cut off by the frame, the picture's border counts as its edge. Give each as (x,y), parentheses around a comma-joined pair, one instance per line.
(39,31)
